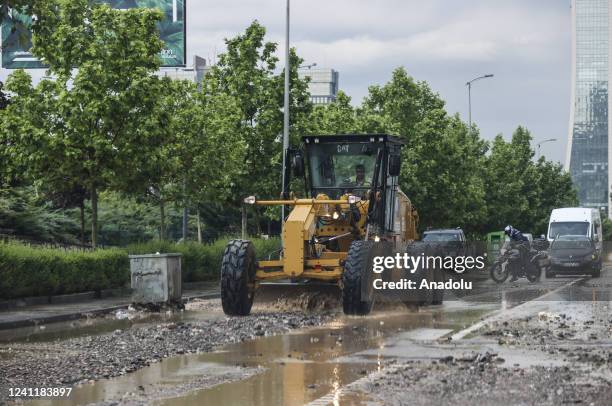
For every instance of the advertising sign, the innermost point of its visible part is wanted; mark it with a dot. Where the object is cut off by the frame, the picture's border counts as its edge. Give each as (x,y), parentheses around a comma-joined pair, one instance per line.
(17,37)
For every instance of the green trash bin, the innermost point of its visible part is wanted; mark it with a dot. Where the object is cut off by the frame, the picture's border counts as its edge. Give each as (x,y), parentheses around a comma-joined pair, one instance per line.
(495,241)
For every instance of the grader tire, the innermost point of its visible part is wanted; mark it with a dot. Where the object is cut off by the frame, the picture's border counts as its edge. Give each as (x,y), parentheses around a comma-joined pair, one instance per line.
(423,297)
(427,295)
(238,278)
(356,269)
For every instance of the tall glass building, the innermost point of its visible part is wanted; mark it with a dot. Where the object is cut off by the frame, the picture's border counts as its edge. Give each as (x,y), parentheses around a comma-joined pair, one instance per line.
(588,147)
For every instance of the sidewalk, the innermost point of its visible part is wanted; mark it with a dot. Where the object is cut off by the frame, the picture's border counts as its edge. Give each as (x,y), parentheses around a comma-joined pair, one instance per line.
(71,307)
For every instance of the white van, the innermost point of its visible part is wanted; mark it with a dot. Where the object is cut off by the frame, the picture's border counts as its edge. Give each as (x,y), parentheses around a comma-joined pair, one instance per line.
(576,221)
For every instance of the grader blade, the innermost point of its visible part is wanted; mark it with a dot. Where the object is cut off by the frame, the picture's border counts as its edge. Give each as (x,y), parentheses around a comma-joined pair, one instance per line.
(298,295)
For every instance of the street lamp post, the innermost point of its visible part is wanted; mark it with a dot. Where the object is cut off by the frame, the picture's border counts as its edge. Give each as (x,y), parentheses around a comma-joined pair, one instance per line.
(543,142)
(286,110)
(469,86)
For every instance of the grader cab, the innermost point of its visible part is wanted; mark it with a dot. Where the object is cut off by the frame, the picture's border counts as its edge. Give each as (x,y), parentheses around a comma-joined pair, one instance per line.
(354,210)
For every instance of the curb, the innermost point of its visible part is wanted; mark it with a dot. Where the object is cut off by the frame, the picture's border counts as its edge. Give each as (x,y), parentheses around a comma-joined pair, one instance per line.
(14,304)
(35,321)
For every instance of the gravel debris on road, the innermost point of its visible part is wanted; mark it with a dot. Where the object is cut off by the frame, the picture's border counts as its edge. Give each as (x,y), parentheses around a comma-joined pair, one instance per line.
(79,360)
(482,382)
(580,335)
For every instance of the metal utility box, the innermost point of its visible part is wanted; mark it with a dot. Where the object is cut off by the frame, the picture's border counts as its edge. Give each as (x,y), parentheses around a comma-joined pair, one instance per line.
(156,278)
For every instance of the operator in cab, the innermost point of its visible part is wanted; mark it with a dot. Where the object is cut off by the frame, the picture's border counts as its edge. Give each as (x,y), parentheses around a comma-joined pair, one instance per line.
(360,179)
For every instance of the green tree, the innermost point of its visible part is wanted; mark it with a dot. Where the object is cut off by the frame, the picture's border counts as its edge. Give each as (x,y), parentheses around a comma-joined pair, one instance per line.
(555,190)
(23,124)
(441,159)
(92,118)
(339,117)
(210,149)
(5,6)
(153,176)
(507,174)
(521,192)
(199,150)
(246,72)
(124,221)
(23,213)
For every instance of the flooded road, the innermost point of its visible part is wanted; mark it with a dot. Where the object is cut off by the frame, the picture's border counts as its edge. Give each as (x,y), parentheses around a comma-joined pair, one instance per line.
(292,369)
(302,366)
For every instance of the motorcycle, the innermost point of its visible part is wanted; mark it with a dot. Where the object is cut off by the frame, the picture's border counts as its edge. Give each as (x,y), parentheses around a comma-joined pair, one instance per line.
(519,260)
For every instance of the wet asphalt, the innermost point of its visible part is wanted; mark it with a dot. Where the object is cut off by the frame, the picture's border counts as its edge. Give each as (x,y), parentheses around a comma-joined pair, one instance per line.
(280,357)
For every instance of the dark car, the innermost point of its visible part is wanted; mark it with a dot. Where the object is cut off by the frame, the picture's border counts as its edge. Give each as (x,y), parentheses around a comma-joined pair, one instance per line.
(574,254)
(451,240)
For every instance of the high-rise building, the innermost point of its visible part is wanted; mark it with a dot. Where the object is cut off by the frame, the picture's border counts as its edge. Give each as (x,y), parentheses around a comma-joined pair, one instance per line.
(588,151)
(323,86)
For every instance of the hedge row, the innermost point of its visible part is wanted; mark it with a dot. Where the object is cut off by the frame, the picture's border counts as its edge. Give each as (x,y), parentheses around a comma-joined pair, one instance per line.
(201,262)
(34,271)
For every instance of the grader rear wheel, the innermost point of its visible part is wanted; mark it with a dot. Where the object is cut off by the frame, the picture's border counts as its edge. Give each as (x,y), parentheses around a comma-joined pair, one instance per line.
(425,272)
(428,274)
(439,276)
(238,278)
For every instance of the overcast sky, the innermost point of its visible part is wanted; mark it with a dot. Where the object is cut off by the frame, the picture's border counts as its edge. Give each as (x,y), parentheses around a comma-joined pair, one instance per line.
(525,43)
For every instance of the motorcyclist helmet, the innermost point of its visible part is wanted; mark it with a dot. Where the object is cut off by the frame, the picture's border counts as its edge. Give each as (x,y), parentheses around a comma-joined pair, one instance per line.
(508,230)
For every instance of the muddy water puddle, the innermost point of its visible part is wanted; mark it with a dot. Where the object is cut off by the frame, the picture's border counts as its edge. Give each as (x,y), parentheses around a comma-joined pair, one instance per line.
(100,325)
(293,368)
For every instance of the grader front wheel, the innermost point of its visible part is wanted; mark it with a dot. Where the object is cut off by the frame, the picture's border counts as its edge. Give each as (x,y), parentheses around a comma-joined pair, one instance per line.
(357,299)
(238,278)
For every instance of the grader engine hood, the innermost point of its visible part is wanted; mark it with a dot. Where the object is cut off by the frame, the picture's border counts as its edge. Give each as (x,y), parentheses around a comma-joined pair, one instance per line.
(299,229)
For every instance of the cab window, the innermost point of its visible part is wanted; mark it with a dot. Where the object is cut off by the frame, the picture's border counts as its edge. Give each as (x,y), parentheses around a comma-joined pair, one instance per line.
(341,168)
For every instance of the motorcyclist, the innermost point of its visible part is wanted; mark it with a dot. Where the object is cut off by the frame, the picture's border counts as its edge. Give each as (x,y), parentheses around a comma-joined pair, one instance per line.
(515,234)
(521,242)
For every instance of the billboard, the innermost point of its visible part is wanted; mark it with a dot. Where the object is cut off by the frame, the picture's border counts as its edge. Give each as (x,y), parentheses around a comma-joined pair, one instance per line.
(17,37)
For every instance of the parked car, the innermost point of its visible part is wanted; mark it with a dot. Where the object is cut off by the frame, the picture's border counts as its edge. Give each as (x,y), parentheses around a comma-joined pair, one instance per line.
(452,241)
(574,254)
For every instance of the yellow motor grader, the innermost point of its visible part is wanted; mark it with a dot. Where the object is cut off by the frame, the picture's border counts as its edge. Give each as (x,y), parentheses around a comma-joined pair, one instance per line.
(355,211)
